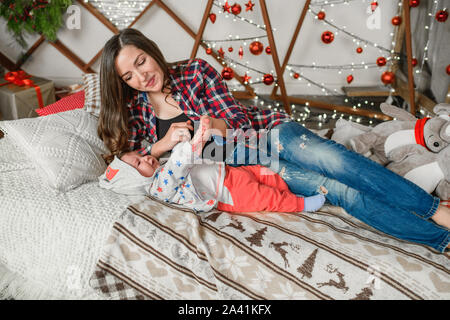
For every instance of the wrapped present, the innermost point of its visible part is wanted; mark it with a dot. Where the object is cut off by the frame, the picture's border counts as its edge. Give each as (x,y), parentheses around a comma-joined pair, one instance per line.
(21,94)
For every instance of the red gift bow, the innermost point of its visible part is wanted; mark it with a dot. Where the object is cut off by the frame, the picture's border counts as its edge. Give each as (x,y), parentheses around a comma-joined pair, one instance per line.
(21,78)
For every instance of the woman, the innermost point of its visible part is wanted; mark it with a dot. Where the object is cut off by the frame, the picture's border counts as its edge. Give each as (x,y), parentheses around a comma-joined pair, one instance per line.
(146,98)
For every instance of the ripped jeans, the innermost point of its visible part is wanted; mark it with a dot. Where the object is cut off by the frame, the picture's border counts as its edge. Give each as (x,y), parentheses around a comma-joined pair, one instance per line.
(365,189)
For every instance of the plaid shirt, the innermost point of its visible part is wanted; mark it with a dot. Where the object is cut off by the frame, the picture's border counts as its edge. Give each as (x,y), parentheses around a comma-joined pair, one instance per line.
(199,90)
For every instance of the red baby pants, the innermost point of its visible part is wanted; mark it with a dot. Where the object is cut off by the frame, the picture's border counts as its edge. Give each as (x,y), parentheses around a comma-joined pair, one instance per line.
(257,188)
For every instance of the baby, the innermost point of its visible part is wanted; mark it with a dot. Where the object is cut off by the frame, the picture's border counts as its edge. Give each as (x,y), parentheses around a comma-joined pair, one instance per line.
(206,185)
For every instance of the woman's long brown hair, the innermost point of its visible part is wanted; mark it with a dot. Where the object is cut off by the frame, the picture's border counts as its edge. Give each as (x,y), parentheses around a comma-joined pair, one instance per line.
(115,93)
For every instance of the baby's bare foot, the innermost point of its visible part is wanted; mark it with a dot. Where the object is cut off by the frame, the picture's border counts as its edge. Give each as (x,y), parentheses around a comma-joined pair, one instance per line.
(442,216)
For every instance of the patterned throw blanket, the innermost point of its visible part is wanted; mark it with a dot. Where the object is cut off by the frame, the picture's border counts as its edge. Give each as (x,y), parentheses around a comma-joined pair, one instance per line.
(156,251)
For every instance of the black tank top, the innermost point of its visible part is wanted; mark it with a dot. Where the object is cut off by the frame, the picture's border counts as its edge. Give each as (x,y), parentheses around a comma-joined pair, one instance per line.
(163,125)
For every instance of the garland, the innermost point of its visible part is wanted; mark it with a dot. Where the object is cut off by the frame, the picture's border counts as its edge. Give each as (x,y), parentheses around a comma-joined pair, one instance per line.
(33,16)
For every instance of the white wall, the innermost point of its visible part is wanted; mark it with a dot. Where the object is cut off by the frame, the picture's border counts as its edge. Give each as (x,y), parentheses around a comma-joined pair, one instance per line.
(176,44)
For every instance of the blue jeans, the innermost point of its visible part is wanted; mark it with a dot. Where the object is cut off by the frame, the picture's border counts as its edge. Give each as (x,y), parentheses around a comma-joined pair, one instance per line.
(365,189)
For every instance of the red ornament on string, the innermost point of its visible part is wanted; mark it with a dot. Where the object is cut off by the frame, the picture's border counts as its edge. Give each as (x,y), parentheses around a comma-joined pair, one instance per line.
(208,50)
(448,69)
(414,3)
(236,9)
(227,73)
(221,53)
(359,50)
(256,48)
(414,62)
(268,79)
(441,16)
(321,15)
(245,78)
(241,52)
(230,49)
(226,7)
(396,21)
(349,79)
(387,77)
(212,17)
(373,6)
(327,37)
(296,75)
(381,61)
(268,50)
(249,6)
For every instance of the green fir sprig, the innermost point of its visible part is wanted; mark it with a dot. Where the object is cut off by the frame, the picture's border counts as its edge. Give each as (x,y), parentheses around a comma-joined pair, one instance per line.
(33,16)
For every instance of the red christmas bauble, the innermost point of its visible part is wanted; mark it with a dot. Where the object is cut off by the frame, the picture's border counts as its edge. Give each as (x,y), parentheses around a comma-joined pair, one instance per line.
(241,52)
(208,50)
(268,79)
(212,17)
(349,79)
(236,9)
(230,49)
(414,62)
(397,20)
(296,75)
(387,77)
(268,50)
(374,5)
(448,69)
(414,3)
(327,37)
(381,61)
(256,48)
(321,15)
(359,50)
(227,73)
(442,16)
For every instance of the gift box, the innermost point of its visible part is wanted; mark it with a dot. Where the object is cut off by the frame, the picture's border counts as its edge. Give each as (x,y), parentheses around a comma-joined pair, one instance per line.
(21,94)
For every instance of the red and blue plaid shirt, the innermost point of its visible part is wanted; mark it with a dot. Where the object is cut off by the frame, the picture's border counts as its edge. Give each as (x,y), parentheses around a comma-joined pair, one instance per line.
(199,90)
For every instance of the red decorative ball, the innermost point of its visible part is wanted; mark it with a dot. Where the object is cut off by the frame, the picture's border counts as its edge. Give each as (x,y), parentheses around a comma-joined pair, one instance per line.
(327,37)
(227,73)
(414,62)
(442,16)
(256,48)
(268,50)
(374,5)
(359,50)
(268,79)
(414,3)
(448,69)
(296,75)
(230,49)
(208,50)
(321,15)
(349,79)
(381,61)
(236,9)
(212,17)
(387,77)
(397,20)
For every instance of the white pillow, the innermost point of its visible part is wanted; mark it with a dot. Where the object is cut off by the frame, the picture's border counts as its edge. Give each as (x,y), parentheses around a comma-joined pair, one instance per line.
(64,146)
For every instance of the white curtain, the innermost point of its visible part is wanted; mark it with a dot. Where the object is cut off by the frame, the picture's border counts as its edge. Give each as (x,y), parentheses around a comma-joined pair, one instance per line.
(433,77)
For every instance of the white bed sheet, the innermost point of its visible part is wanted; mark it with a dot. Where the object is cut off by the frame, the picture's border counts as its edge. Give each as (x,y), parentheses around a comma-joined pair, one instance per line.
(49,242)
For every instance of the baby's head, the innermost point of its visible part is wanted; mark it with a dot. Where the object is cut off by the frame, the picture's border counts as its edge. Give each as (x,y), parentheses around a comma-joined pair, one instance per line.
(132,174)
(145,165)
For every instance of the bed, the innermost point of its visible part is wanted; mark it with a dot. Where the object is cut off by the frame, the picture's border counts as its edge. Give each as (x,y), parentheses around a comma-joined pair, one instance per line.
(63,237)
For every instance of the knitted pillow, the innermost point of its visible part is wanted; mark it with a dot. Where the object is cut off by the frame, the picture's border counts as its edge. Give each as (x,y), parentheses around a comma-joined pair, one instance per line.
(64,147)
(91,84)
(71,102)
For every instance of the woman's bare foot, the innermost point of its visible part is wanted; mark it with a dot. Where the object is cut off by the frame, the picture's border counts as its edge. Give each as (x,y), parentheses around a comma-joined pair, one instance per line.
(442,216)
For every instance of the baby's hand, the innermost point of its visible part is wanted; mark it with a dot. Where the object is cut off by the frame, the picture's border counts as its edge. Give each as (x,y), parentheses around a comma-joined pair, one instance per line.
(202,135)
